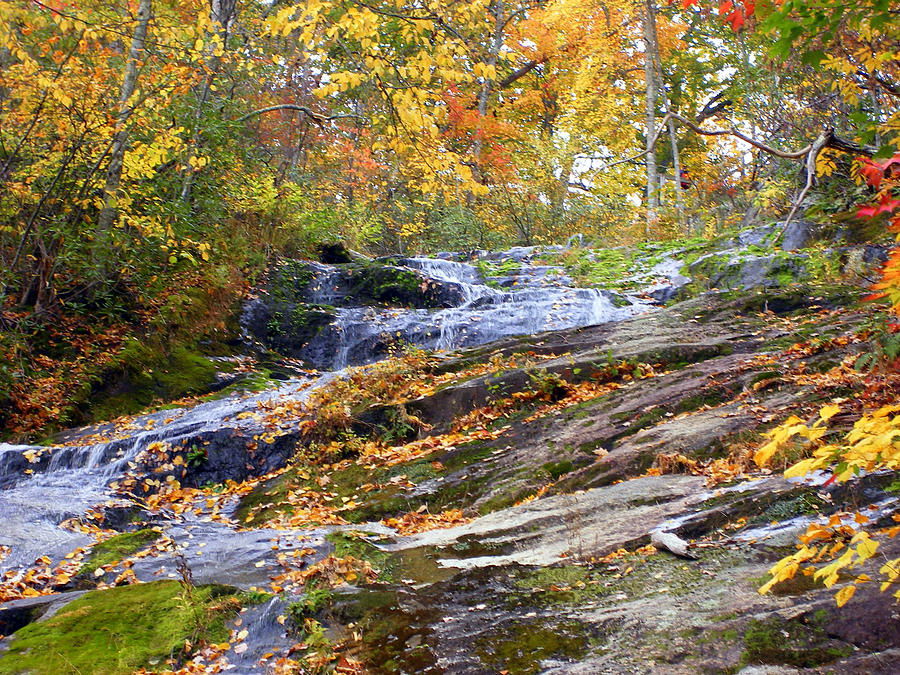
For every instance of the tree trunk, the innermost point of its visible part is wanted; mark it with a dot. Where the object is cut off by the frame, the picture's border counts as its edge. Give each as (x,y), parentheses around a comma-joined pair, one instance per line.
(676,168)
(673,138)
(220,14)
(652,193)
(120,139)
(492,57)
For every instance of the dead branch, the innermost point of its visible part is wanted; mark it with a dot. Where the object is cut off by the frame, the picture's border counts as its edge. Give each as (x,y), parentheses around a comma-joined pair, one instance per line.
(318,118)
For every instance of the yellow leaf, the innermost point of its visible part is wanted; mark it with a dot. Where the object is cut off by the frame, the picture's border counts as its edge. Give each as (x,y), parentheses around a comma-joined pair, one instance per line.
(843,595)
(828,411)
(764,454)
(866,549)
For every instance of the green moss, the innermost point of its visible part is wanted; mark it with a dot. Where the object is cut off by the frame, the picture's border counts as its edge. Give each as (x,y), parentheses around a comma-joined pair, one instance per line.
(798,642)
(146,376)
(575,585)
(388,285)
(290,280)
(601,267)
(522,646)
(353,544)
(490,269)
(118,547)
(767,375)
(557,469)
(314,601)
(120,630)
(806,504)
(298,324)
(267,500)
(393,635)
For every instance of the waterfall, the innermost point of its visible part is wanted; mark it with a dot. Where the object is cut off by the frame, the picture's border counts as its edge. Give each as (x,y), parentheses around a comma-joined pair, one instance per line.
(528,299)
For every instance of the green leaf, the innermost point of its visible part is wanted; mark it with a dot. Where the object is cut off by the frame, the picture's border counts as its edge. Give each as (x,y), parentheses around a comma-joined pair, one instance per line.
(813,58)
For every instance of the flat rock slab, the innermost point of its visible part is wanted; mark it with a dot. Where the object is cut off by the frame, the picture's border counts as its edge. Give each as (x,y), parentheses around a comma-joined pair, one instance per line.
(583,524)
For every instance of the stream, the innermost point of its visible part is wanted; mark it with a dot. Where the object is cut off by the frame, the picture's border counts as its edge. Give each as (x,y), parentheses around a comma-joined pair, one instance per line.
(40,487)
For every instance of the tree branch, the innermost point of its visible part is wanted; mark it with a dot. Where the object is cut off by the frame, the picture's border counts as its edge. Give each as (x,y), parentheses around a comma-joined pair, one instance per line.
(809,154)
(318,118)
(713,107)
(516,74)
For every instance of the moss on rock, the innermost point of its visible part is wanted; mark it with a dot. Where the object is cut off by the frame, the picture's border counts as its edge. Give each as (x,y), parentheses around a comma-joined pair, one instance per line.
(118,630)
(118,547)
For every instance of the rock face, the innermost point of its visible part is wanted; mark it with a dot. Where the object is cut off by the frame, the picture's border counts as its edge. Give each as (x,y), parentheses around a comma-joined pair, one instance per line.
(567,452)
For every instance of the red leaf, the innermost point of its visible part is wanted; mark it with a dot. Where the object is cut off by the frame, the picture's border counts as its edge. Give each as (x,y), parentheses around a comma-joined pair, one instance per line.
(725,7)
(865,212)
(749,7)
(736,18)
(872,171)
(886,204)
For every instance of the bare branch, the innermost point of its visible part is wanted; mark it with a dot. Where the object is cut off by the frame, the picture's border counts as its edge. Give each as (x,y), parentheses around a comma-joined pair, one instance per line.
(318,118)
(809,154)
(516,74)
(817,146)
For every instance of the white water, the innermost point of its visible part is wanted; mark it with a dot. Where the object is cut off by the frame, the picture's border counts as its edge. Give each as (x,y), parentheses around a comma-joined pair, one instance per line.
(532,299)
(77,476)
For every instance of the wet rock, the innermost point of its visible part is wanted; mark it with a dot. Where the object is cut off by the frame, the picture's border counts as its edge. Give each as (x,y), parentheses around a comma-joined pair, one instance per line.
(747,271)
(334,254)
(14,614)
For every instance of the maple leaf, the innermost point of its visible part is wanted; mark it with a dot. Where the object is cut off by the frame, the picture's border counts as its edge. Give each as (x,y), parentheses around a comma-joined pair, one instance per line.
(886,204)
(871,171)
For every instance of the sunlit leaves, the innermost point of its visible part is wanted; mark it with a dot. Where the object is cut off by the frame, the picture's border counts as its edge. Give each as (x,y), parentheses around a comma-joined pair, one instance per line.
(872,444)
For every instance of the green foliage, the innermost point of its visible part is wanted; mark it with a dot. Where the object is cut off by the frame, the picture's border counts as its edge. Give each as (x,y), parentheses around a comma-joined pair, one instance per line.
(314,601)
(884,348)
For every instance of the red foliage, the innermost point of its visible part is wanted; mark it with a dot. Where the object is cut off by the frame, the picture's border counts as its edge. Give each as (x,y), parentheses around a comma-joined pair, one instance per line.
(730,11)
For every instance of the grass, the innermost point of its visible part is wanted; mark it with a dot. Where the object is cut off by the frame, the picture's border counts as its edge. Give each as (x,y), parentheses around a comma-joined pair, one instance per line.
(118,630)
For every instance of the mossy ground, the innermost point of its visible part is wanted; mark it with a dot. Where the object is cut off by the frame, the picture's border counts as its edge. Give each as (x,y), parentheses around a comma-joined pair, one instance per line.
(118,547)
(419,564)
(118,630)
(147,376)
(268,500)
(527,643)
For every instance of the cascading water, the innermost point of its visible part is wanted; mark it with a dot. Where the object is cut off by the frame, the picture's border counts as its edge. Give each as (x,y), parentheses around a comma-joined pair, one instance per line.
(529,299)
(40,487)
(45,486)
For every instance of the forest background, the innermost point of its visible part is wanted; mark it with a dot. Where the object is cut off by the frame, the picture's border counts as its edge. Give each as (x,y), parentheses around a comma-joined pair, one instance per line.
(155,155)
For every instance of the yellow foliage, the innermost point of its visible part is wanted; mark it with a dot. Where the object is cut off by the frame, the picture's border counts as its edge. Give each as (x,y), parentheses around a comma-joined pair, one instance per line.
(872,444)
